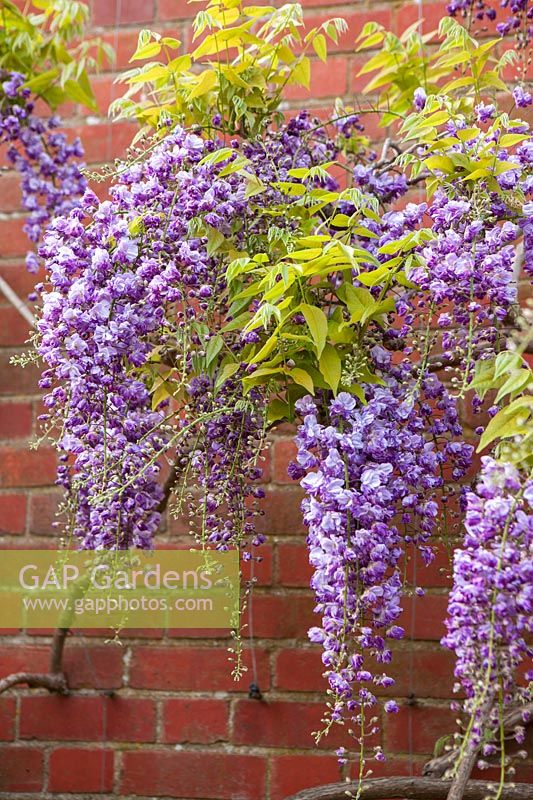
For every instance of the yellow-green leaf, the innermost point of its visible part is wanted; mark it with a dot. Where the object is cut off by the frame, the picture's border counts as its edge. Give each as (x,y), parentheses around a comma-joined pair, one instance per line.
(205,82)
(331,366)
(302,378)
(320,46)
(146,51)
(318,326)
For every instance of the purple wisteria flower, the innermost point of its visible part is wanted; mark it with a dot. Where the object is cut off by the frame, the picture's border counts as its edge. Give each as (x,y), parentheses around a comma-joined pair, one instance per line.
(52,181)
(490,610)
(371,473)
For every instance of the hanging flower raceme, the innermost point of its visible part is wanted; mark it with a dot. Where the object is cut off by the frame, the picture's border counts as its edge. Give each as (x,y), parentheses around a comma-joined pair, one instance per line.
(518,21)
(122,272)
(466,269)
(218,461)
(371,476)
(136,292)
(52,182)
(490,611)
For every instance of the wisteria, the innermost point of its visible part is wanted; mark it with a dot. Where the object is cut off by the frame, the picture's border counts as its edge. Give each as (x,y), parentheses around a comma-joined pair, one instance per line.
(110,290)
(139,268)
(233,280)
(490,610)
(219,462)
(372,477)
(518,20)
(52,182)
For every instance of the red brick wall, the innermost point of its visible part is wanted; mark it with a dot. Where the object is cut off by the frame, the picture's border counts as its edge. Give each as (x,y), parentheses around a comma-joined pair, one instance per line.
(160,716)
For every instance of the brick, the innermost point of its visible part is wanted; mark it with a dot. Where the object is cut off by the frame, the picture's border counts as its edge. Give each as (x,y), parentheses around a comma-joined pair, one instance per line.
(299,670)
(24,658)
(283,723)
(13,379)
(7,718)
(421,671)
(327,80)
(193,774)
(284,451)
(282,515)
(105,141)
(293,565)
(260,569)
(423,617)
(435,575)
(22,769)
(191,669)
(74,769)
(113,12)
(22,467)
(87,719)
(93,667)
(283,616)
(176,9)
(10,194)
(105,91)
(43,508)
(13,240)
(15,418)
(12,513)
(20,280)
(416,728)
(408,14)
(14,328)
(200,721)
(293,773)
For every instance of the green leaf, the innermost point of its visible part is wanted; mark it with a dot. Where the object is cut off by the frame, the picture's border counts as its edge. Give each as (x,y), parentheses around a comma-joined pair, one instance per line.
(510,139)
(442,163)
(206,81)
(516,382)
(331,366)
(254,185)
(214,240)
(41,82)
(214,346)
(265,350)
(226,372)
(506,361)
(318,326)
(320,46)
(277,409)
(146,51)
(358,301)
(301,73)
(74,92)
(302,378)
(373,277)
(502,426)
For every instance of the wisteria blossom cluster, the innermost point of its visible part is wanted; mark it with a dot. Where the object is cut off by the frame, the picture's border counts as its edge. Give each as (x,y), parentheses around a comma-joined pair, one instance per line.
(111,284)
(372,474)
(467,270)
(52,181)
(519,21)
(490,611)
(219,460)
(125,275)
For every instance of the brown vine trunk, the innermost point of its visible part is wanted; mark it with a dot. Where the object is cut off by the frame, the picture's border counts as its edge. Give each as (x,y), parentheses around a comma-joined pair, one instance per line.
(410,789)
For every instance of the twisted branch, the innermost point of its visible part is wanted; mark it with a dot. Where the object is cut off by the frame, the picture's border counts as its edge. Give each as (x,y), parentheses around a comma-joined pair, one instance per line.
(54,681)
(410,789)
(437,767)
